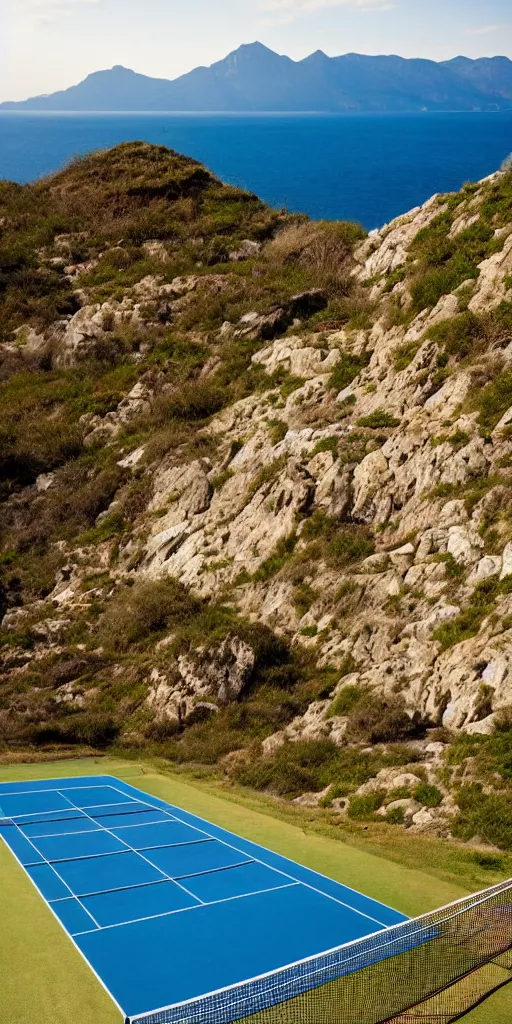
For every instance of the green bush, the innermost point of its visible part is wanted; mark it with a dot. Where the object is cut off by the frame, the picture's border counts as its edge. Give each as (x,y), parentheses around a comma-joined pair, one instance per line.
(459,336)
(494,399)
(346,370)
(362,808)
(395,816)
(196,400)
(492,754)
(428,796)
(453,569)
(377,419)
(346,700)
(310,766)
(350,545)
(442,263)
(275,562)
(222,478)
(376,719)
(327,444)
(148,608)
(303,597)
(459,439)
(468,623)
(295,768)
(323,248)
(486,816)
(399,793)
(404,355)
(277,430)
(489,861)
(439,281)
(317,525)
(342,545)
(89,729)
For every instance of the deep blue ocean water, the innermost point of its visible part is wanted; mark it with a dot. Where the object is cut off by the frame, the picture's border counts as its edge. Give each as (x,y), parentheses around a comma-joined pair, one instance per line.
(366,167)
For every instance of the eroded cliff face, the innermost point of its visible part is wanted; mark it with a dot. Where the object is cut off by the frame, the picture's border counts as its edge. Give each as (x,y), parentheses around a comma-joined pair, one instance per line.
(340,533)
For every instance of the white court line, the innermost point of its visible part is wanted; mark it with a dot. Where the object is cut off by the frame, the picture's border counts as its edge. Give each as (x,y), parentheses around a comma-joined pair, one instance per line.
(134,814)
(88,856)
(81,810)
(99,828)
(286,875)
(52,789)
(31,792)
(59,835)
(183,910)
(42,814)
(146,824)
(111,813)
(215,871)
(48,864)
(138,854)
(65,930)
(120,888)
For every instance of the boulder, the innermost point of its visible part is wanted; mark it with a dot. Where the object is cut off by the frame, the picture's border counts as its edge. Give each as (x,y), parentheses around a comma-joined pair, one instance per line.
(266,326)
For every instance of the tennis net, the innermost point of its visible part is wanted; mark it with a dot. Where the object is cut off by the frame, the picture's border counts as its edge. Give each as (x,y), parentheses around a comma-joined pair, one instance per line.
(431,969)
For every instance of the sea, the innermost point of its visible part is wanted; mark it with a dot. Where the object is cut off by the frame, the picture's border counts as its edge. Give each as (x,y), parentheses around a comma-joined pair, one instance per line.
(364,167)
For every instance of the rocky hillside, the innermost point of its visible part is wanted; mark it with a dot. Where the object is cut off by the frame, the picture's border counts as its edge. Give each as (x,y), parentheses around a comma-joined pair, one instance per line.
(256,483)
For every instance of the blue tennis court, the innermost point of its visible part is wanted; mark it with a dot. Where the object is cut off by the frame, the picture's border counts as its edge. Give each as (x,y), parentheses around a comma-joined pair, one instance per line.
(166,908)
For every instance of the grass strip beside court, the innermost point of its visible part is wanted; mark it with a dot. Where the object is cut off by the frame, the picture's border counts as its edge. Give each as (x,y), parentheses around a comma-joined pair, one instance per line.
(45,977)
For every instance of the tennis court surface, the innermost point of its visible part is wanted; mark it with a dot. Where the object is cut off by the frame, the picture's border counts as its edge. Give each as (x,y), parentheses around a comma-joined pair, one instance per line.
(171,912)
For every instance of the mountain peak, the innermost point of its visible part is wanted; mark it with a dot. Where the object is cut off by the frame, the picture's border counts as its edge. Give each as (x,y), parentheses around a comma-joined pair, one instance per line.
(255,47)
(254,51)
(317,58)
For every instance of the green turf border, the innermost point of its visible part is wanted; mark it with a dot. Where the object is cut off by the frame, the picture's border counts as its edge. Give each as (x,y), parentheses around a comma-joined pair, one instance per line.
(48,981)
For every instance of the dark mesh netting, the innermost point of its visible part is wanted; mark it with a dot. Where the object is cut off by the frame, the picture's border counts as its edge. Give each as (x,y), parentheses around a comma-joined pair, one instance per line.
(430,970)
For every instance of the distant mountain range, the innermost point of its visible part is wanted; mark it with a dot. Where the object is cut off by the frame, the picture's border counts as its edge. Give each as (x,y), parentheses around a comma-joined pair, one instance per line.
(255,78)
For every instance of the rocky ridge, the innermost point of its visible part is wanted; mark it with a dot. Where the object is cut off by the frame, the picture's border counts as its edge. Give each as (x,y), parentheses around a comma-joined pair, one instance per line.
(354,505)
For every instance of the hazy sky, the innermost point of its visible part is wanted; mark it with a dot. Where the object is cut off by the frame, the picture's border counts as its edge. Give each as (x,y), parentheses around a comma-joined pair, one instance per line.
(50,44)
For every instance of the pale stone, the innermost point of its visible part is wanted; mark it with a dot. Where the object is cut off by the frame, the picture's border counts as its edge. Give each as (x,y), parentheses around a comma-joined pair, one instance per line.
(507,562)
(292,355)
(409,806)
(64,596)
(483,728)
(222,673)
(437,749)
(491,288)
(460,545)
(438,617)
(422,817)
(488,566)
(394,586)
(496,671)
(132,459)
(45,481)
(312,799)
(406,549)
(505,420)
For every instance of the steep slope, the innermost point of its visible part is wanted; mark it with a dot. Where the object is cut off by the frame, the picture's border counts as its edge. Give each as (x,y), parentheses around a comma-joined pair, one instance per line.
(255,78)
(256,487)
